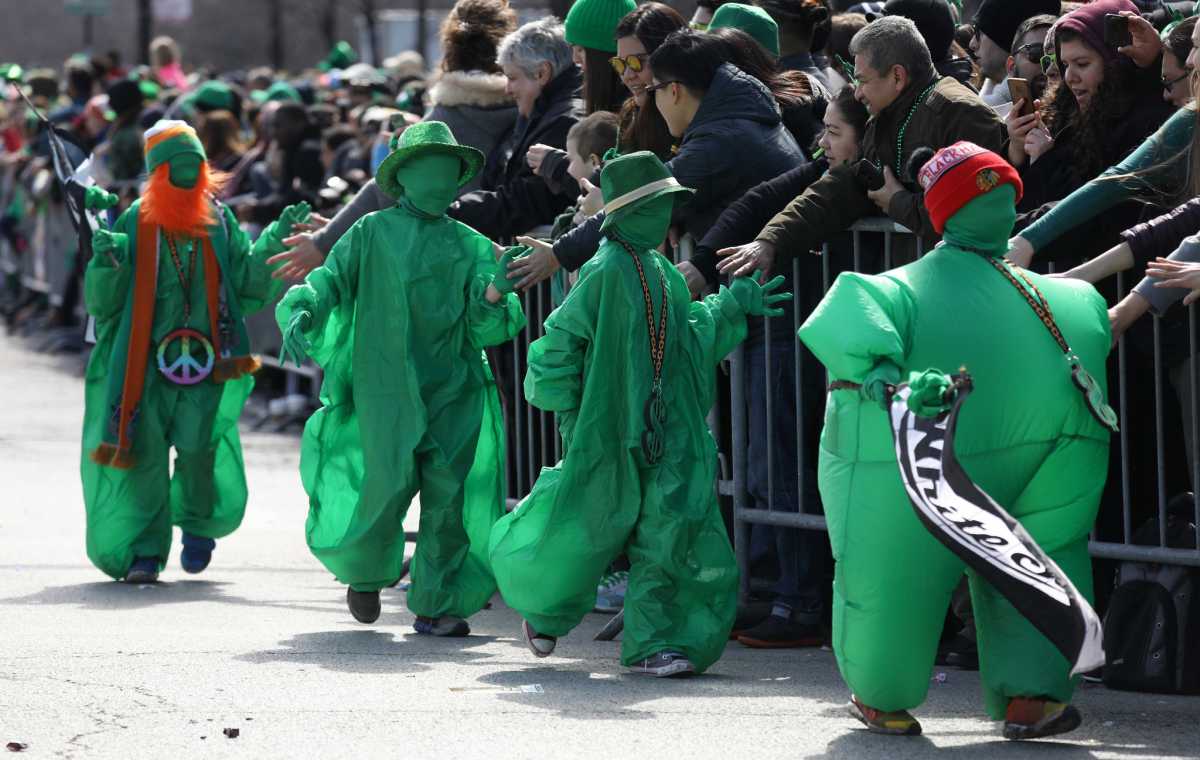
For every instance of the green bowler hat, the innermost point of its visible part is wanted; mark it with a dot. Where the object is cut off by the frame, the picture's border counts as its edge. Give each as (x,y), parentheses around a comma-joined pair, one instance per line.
(424,139)
(633,180)
(752,20)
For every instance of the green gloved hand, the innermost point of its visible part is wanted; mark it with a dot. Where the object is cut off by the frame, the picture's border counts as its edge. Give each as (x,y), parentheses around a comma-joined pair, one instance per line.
(879,383)
(930,393)
(297,213)
(501,281)
(759,300)
(295,344)
(97,198)
(115,245)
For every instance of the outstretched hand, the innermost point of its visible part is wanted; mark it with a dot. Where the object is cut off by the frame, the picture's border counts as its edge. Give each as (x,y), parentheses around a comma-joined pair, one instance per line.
(506,282)
(1176,274)
(759,300)
(742,260)
(295,214)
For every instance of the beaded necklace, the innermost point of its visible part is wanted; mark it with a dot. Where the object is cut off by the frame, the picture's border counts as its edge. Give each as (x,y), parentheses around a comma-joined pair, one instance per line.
(904,127)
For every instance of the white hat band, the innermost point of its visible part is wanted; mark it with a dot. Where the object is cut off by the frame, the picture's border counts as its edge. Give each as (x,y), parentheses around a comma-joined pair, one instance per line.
(643,191)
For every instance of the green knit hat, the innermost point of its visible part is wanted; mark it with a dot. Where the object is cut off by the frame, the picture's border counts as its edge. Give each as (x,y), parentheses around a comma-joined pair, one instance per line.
(169,138)
(750,19)
(423,139)
(341,56)
(210,96)
(633,180)
(282,91)
(593,23)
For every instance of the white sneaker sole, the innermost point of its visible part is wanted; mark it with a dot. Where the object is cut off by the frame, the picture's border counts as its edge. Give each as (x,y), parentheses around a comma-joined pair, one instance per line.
(676,669)
(533,643)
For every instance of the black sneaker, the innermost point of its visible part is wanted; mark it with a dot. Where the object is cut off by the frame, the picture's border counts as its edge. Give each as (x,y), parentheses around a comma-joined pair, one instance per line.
(665,665)
(778,632)
(959,652)
(364,605)
(446,625)
(143,570)
(1037,718)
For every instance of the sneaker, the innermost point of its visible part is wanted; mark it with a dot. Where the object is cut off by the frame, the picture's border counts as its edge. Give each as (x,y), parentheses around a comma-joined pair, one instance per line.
(1028,718)
(197,553)
(665,665)
(143,570)
(364,605)
(538,643)
(446,625)
(959,652)
(776,632)
(610,594)
(898,723)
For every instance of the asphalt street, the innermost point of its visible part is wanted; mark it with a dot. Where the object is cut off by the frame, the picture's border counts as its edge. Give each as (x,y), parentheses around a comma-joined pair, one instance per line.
(258,657)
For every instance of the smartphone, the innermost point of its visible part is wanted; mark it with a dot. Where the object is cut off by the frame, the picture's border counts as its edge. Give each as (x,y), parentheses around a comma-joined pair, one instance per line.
(1020,90)
(1116,30)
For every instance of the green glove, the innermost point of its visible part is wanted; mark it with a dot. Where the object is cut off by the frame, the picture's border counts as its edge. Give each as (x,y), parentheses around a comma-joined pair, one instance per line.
(295,345)
(878,383)
(930,393)
(115,245)
(297,213)
(97,198)
(501,281)
(759,300)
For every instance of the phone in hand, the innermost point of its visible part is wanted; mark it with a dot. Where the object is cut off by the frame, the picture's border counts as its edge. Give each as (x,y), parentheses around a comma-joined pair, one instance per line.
(869,175)
(1116,30)
(1020,90)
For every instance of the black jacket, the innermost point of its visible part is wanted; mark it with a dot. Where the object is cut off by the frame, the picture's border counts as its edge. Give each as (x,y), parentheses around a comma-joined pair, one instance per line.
(1162,235)
(512,200)
(736,140)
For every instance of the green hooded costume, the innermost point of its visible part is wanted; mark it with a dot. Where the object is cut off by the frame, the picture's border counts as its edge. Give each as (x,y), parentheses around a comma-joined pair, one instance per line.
(1026,437)
(398,319)
(594,369)
(134,412)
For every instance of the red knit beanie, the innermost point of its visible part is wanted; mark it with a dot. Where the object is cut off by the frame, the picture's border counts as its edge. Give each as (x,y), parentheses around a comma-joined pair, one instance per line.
(958,174)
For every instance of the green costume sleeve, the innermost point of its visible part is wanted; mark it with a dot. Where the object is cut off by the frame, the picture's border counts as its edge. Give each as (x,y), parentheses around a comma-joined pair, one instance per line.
(554,381)
(863,320)
(490,323)
(328,285)
(717,325)
(252,275)
(106,287)
(1104,192)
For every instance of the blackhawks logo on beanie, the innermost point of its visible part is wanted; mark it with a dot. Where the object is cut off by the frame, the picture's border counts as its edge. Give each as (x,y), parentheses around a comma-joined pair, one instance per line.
(960,173)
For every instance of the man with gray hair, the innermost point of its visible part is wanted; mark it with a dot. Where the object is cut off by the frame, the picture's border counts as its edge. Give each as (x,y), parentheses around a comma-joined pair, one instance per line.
(911,107)
(545,83)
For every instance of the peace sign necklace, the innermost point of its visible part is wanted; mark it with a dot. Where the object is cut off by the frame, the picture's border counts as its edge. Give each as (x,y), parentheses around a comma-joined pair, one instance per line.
(655,410)
(186,364)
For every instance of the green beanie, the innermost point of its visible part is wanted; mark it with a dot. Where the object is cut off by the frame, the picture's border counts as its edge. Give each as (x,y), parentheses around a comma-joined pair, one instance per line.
(211,96)
(282,91)
(593,23)
(168,139)
(750,19)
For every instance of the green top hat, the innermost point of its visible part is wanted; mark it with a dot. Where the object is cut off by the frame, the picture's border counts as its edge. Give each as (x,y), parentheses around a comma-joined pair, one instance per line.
(750,19)
(423,139)
(632,180)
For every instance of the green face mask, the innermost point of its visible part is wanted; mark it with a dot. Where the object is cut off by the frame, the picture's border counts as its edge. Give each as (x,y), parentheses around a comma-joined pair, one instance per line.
(185,170)
(645,226)
(985,223)
(430,182)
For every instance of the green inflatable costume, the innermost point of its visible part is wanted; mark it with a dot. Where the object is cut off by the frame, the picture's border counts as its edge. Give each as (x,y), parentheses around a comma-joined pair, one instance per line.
(176,272)
(398,317)
(639,465)
(1025,436)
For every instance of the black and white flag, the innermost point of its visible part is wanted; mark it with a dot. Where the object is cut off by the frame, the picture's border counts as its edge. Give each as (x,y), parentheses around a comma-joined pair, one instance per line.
(977,529)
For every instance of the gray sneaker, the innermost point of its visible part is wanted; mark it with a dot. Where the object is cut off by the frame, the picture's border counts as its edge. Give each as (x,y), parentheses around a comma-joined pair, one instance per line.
(610,594)
(666,664)
(446,625)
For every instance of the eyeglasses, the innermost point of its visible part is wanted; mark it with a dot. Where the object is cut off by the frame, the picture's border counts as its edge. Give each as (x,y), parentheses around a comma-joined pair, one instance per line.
(1034,51)
(1167,84)
(697,26)
(1049,61)
(633,62)
(660,85)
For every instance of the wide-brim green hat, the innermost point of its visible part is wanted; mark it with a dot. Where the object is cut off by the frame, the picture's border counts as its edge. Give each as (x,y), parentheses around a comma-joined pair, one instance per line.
(425,139)
(633,180)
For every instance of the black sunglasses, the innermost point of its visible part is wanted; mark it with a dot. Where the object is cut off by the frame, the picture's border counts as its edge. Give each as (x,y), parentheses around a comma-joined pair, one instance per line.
(1033,51)
(1167,84)
(660,85)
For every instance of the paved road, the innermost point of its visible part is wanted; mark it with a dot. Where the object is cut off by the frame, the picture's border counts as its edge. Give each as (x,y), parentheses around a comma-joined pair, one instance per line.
(262,643)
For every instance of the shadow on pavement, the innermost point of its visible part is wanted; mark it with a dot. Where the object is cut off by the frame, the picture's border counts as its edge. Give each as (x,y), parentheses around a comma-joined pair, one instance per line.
(367,650)
(114,595)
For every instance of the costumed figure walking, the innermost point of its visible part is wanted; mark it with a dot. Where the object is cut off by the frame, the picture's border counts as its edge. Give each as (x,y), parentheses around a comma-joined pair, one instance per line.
(168,288)
(628,366)
(1033,437)
(398,318)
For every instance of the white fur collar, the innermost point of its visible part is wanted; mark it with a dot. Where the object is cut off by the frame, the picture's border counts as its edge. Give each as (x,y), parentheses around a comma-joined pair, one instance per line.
(469,88)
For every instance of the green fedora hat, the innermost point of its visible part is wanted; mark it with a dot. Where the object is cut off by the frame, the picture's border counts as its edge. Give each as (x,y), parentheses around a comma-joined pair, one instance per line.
(424,139)
(634,180)
(752,20)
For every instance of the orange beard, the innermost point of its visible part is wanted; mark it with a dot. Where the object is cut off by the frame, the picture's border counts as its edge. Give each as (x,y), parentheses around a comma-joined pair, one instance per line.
(189,211)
